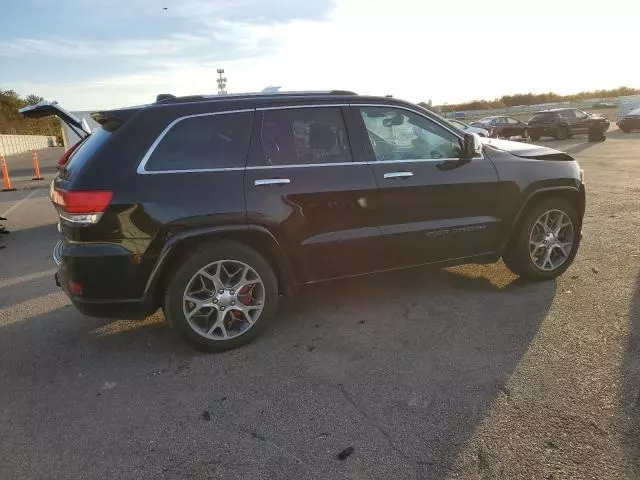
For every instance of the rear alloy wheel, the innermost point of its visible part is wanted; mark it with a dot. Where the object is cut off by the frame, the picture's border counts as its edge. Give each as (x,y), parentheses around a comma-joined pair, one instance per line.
(221,296)
(562,133)
(546,242)
(534,135)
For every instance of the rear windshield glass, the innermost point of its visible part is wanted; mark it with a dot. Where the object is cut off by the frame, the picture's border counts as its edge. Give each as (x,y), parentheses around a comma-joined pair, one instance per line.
(88,147)
(542,117)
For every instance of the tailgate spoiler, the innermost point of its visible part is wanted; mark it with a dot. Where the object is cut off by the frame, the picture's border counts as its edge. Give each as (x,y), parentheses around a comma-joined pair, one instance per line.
(47,108)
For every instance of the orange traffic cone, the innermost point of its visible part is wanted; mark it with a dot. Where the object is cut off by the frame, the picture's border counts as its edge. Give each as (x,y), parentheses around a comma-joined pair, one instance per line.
(36,167)
(5,175)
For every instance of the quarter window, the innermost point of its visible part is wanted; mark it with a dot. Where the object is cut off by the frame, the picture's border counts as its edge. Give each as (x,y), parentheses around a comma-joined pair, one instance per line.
(402,135)
(204,142)
(305,136)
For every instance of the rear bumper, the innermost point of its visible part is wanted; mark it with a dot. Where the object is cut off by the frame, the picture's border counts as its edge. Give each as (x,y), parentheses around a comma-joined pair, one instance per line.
(80,269)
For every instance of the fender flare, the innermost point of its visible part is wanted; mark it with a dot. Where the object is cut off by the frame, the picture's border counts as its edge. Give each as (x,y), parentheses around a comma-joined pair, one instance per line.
(531,197)
(285,273)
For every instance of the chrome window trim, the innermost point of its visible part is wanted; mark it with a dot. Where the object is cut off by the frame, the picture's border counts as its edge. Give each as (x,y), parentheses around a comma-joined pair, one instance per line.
(306,165)
(141,166)
(193,170)
(142,171)
(319,105)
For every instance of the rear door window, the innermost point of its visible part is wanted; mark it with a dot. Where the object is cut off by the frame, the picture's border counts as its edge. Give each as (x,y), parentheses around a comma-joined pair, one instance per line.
(203,142)
(542,117)
(305,136)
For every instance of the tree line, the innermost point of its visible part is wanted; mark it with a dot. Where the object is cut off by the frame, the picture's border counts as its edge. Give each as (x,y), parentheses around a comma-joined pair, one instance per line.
(532,99)
(13,123)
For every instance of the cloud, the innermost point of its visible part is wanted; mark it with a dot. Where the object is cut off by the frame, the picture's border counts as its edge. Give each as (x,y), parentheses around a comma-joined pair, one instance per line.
(413,50)
(65,48)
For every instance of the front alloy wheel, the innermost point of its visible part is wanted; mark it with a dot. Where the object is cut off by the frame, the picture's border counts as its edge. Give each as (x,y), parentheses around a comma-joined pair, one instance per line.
(545,241)
(551,240)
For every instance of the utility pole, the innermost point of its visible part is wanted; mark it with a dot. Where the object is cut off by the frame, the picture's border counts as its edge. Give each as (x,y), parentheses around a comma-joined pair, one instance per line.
(222,82)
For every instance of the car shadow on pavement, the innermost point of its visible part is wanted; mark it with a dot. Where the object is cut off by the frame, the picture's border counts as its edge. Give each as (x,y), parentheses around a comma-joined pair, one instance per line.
(620,135)
(581,147)
(418,355)
(401,366)
(629,417)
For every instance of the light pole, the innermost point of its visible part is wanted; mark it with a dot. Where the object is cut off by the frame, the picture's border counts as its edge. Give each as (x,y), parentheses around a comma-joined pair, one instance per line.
(222,82)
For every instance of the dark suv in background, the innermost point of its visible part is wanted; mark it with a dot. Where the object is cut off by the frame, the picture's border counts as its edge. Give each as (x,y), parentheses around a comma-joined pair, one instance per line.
(562,123)
(211,207)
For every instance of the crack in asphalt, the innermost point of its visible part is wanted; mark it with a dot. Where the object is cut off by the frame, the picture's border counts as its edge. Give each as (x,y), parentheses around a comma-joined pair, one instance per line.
(377,426)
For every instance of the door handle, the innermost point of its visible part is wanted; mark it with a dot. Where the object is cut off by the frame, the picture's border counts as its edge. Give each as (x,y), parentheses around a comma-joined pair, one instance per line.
(264,182)
(398,175)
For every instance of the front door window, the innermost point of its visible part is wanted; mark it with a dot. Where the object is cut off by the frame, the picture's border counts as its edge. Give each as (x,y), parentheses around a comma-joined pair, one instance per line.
(397,134)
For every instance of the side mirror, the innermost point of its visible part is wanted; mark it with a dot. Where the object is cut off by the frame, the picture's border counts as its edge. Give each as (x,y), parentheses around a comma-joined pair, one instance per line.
(471,147)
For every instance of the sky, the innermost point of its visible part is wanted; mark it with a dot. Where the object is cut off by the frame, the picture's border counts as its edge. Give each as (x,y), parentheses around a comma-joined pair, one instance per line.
(94,54)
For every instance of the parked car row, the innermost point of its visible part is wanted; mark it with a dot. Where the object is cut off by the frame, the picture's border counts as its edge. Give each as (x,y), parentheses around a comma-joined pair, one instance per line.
(560,123)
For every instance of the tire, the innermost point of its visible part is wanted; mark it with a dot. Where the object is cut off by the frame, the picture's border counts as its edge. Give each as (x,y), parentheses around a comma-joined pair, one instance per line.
(186,280)
(597,132)
(534,136)
(562,133)
(517,257)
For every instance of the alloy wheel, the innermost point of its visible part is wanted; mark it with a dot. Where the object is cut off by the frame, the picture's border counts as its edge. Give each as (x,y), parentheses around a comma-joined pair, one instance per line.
(223,300)
(551,240)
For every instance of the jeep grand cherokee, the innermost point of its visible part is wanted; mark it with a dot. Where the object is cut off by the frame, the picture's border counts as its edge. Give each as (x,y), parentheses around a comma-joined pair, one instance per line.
(211,207)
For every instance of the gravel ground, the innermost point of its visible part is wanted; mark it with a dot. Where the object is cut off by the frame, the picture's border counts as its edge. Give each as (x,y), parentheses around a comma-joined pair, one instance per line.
(436,374)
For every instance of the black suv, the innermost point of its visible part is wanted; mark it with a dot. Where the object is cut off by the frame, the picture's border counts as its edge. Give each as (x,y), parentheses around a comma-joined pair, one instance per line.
(211,207)
(562,123)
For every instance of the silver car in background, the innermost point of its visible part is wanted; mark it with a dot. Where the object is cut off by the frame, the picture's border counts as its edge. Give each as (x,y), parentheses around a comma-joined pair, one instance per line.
(468,128)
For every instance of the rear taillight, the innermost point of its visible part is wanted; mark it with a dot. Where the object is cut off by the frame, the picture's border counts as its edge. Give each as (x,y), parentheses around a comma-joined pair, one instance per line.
(81,207)
(65,157)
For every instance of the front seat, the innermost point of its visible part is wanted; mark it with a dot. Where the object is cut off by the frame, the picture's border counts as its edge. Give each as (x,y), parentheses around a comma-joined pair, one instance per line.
(322,141)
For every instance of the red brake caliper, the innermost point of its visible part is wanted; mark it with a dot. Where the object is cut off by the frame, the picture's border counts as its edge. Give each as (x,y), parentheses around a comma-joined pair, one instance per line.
(244,295)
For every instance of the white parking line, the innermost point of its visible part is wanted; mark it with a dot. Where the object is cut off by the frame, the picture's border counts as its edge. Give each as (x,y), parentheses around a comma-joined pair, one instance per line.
(20,202)
(26,278)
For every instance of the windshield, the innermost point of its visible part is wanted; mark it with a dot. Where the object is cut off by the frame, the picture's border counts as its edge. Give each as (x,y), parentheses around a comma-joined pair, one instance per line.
(460,125)
(486,121)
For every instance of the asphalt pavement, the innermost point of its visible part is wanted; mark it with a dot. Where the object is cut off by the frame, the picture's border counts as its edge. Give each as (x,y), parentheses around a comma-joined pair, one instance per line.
(461,373)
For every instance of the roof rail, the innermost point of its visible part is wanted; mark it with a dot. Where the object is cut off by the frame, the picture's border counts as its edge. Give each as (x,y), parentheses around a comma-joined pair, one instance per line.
(168,98)
(164,96)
